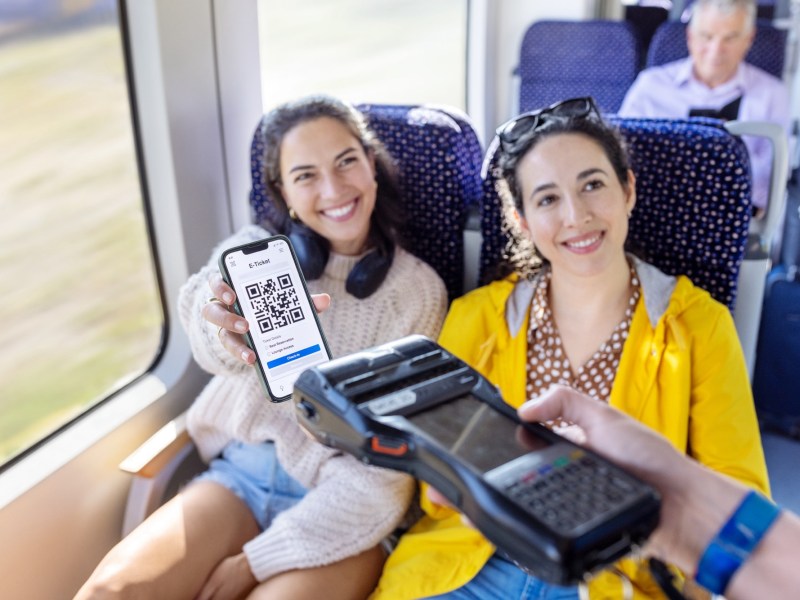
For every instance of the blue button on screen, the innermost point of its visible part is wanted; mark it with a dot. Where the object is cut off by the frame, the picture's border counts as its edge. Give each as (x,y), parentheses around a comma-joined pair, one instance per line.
(293,356)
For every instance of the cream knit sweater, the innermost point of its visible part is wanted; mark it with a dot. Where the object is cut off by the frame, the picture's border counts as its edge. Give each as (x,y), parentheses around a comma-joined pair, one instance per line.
(349,507)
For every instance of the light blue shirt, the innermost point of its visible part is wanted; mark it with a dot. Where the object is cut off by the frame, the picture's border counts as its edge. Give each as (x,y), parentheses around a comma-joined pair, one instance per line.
(671,90)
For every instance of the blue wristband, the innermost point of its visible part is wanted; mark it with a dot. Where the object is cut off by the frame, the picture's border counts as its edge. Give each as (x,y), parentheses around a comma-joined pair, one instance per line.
(735,541)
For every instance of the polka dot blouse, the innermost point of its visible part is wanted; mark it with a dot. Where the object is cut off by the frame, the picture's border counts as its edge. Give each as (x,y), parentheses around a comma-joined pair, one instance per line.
(547,361)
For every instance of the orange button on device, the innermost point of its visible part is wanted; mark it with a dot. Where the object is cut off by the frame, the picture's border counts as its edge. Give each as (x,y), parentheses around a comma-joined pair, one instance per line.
(388,446)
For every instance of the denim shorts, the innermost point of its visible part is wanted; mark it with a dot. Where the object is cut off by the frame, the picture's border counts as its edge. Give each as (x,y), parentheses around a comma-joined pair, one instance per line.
(253,473)
(500,578)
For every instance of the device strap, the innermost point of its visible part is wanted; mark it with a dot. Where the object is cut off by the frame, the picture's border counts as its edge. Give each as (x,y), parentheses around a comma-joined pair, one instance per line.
(665,579)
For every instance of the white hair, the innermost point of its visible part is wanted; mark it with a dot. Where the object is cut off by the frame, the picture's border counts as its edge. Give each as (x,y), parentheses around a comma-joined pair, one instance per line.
(728,6)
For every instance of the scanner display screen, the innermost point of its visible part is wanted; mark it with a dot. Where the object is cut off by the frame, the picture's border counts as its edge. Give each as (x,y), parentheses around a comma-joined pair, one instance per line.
(479,435)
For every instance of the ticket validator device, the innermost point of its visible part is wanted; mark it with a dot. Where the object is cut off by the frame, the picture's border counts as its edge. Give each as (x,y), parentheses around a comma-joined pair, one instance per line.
(557,510)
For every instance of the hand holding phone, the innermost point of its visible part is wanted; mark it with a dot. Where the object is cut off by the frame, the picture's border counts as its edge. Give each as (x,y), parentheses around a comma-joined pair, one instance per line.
(271,294)
(220,313)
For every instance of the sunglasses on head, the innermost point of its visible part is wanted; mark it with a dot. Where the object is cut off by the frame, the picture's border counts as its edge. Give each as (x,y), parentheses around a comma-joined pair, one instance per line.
(511,131)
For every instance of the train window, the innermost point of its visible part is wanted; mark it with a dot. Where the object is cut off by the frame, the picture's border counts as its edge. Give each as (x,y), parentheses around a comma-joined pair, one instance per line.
(81,314)
(411,51)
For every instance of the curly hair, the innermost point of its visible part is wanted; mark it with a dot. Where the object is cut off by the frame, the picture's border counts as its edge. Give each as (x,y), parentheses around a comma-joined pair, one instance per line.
(388,216)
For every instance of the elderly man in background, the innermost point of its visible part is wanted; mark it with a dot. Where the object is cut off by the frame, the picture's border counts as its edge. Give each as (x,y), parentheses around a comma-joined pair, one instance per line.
(715,81)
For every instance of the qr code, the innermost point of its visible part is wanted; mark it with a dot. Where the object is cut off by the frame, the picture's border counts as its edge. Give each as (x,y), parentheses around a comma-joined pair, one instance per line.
(274,302)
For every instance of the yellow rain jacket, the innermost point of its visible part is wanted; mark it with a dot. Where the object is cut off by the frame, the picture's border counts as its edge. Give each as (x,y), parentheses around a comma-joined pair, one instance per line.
(682,372)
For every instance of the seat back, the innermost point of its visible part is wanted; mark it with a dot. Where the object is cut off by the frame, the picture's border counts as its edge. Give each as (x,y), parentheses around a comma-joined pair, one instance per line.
(438,155)
(567,59)
(693,202)
(646,19)
(768,51)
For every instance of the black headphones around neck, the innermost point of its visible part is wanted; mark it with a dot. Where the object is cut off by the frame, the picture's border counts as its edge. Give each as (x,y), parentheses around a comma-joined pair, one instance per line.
(312,253)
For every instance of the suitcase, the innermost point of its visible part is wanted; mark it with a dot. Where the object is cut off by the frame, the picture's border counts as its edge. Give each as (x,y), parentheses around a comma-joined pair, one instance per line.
(776,378)
(790,240)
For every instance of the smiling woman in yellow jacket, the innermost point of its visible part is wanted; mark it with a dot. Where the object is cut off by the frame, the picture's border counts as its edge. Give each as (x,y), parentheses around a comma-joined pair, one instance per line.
(681,370)
(682,373)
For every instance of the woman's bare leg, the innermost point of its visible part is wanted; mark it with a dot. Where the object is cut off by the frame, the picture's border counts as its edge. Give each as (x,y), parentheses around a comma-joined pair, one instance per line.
(172,552)
(353,578)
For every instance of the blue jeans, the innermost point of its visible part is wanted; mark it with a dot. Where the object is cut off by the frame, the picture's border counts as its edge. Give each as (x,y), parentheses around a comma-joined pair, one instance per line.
(253,473)
(500,578)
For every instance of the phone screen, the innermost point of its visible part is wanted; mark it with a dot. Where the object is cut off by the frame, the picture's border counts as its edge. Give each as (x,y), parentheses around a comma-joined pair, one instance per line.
(479,435)
(284,330)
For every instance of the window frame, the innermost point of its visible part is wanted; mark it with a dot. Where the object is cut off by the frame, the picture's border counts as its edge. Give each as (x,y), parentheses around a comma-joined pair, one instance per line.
(186,61)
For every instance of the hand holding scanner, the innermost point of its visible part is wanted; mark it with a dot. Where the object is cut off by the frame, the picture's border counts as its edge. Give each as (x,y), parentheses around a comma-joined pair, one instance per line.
(557,510)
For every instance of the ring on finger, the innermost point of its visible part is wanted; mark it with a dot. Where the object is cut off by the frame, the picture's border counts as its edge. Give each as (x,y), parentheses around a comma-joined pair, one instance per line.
(215,299)
(219,333)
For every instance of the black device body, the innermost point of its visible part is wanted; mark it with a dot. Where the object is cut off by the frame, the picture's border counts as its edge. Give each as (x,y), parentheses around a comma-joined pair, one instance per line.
(557,510)
(271,294)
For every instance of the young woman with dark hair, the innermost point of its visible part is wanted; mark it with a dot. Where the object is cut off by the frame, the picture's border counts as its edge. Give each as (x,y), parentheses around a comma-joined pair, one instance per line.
(278,515)
(580,311)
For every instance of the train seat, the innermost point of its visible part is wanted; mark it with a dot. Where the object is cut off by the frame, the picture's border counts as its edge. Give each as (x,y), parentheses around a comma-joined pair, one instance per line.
(691,214)
(439,159)
(693,209)
(568,59)
(646,19)
(768,51)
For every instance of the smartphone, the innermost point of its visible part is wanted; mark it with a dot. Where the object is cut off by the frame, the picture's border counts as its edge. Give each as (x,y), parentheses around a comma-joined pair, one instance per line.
(272,295)
(556,509)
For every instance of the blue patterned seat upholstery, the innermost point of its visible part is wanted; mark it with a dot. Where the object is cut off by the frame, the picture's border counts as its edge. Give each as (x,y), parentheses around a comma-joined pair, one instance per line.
(768,51)
(567,59)
(693,202)
(439,157)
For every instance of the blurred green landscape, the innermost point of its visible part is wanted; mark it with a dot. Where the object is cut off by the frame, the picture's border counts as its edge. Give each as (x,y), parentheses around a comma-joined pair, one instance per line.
(80,314)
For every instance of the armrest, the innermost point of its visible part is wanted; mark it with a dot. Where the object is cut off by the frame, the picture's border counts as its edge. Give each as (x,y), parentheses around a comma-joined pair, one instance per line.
(766,230)
(762,235)
(153,465)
